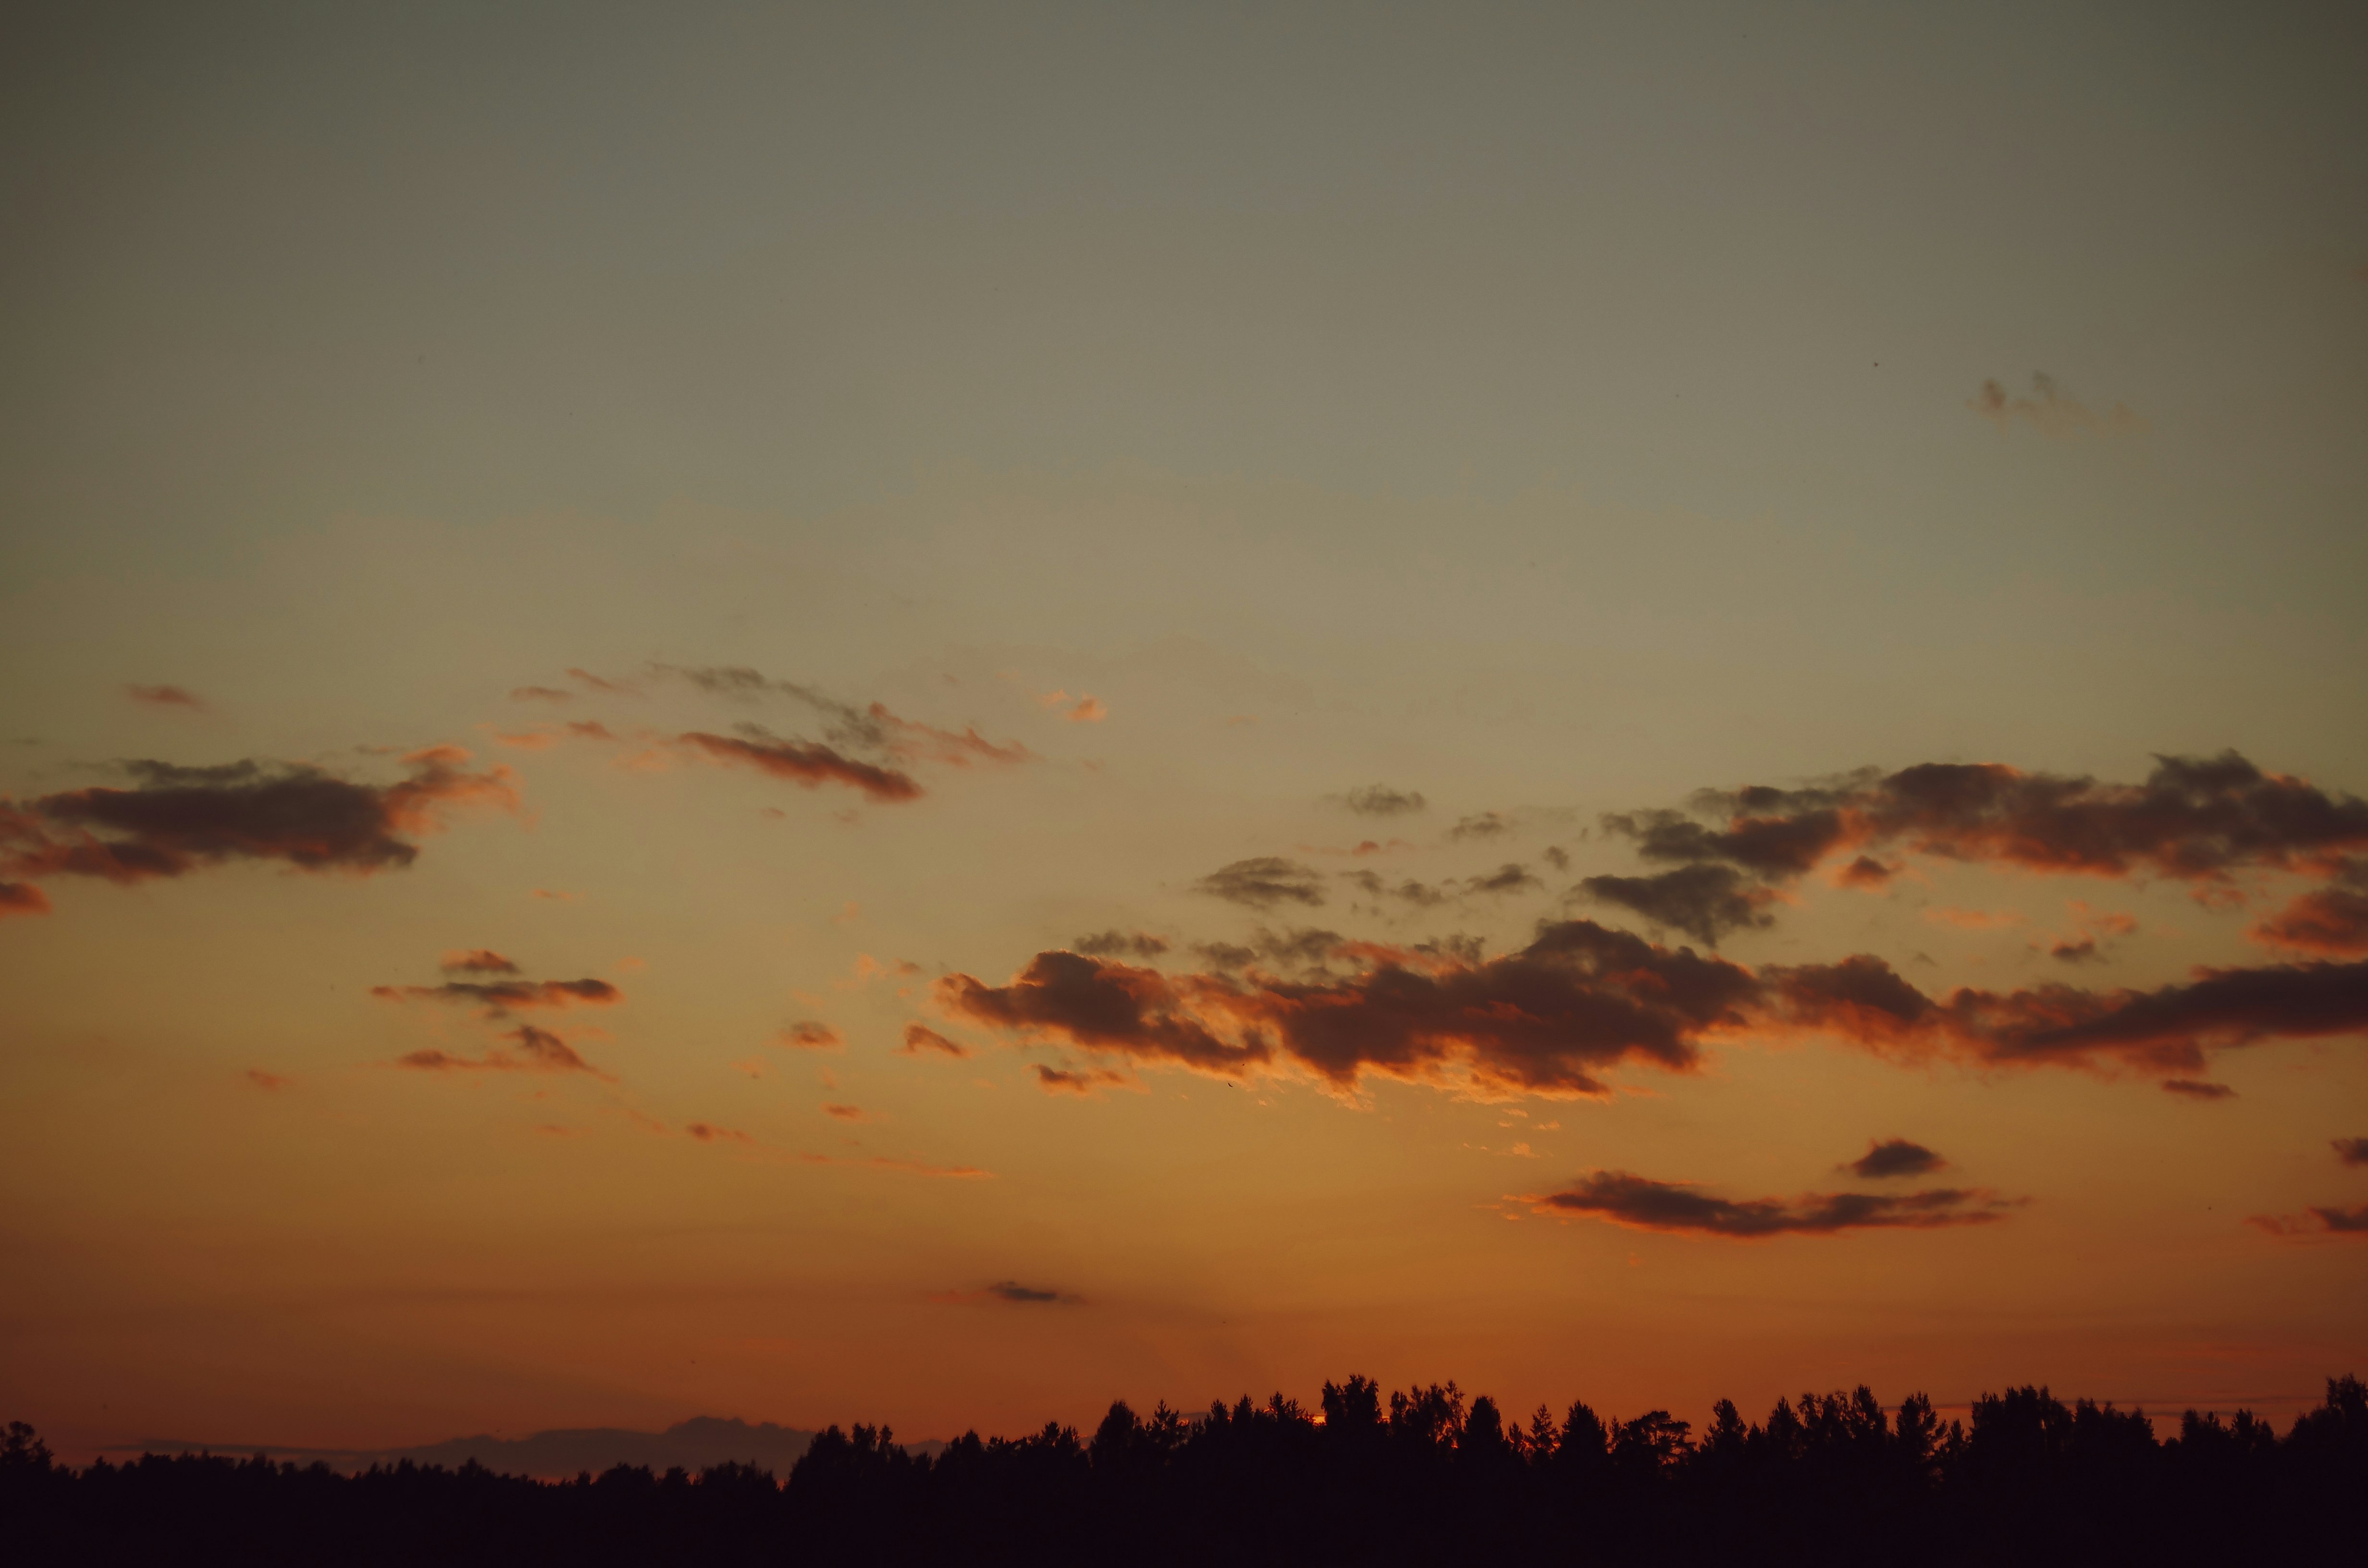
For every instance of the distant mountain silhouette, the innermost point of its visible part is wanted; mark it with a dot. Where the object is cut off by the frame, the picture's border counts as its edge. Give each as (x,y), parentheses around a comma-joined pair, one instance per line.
(693,1445)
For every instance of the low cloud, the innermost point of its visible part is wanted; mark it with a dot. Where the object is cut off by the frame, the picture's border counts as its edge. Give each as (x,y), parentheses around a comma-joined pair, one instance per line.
(2316,1222)
(808,1034)
(476,960)
(267,1081)
(2330,920)
(1263,882)
(538,1051)
(2053,412)
(1087,1082)
(498,997)
(1381,801)
(22,898)
(2198,1089)
(2350,1150)
(1511,877)
(1009,1292)
(806,764)
(1641,1203)
(1705,901)
(1895,1157)
(541,694)
(919,1037)
(707,1132)
(1483,824)
(165,696)
(1122,944)
(176,819)
(844,1112)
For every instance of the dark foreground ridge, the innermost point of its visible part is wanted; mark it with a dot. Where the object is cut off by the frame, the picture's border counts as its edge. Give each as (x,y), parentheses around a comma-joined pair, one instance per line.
(1832,1479)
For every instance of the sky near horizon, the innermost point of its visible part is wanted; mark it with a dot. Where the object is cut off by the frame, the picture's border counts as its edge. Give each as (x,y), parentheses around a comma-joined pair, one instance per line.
(934,714)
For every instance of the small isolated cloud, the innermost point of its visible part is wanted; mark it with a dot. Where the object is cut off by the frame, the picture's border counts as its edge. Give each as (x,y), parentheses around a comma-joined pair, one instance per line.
(919,1037)
(1262,882)
(1510,877)
(809,1034)
(1083,709)
(808,764)
(2350,1150)
(1484,825)
(1704,900)
(557,897)
(501,997)
(22,898)
(541,694)
(1641,1203)
(476,960)
(1973,919)
(1867,873)
(1086,1081)
(601,683)
(1381,801)
(2051,411)
(2065,951)
(539,1051)
(1009,1293)
(2316,1222)
(2198,1089)
(1122,944)
(1422,895)
(263,1080)
(708,1133)
(1895,1157)
(165,696)
(844,1112)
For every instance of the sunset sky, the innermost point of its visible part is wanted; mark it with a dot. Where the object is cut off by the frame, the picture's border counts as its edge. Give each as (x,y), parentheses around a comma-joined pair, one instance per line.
(930,715)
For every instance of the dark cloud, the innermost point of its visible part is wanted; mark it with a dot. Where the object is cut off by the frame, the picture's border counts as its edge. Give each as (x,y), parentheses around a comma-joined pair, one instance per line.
(1556,856)
(1010,1293)
(1510,877)
(2064,949)
(1263,882)
(2198,1089)
(810,1035)
(477,960)
(1086,1081)
(22,898)
(176,819)
(1895,1157)
(1422,895)
(2330,920)
(2167,1029)
(2350,1150)
(849,728)
(501,997)
(165,696)
(2316,1222)
(1122,944)
(707,1132)
(1643,1204)
(1705,901)
(1549,1018)
(539,1051)
(2195,819)
(1484,825)
(804,763)
(1867,872)
(1381,801)
(1225,957)
(919,1037)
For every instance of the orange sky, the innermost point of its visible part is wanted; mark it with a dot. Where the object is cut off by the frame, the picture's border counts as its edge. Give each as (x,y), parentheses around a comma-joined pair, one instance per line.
(819,722)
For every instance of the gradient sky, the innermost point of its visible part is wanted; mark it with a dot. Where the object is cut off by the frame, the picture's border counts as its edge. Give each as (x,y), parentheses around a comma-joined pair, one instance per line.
(1107,440)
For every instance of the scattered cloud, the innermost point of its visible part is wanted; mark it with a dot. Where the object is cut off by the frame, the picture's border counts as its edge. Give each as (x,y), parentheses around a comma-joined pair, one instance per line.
(1895,1157)
(808,764)
(911,1167)
(2198,1089)
(1085,1081)
(1122,944)
(498,997)
(1641,1203)
(1009,1293)
(919,1037)
(810,1035)
(1484,824)
(175,819)
(1705,901)
(1381,801)
(2350,1150)
(165,696)
(476,960)
(2332,920)
(2051,411)
(22,898)
(844,1112)
(2317,1221)
(1510,877)
(541,694)
(1083,708)
(539,1051)
(1422,896)
(1973,919)
(1262,882)
(263,1080)
(708,1133)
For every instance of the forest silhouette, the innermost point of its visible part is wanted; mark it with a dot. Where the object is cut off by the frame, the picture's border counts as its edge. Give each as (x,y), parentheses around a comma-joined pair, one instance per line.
(1420,1477)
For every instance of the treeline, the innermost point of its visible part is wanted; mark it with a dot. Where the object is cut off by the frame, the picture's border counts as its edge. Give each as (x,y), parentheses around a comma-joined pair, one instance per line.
(1420,1478)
